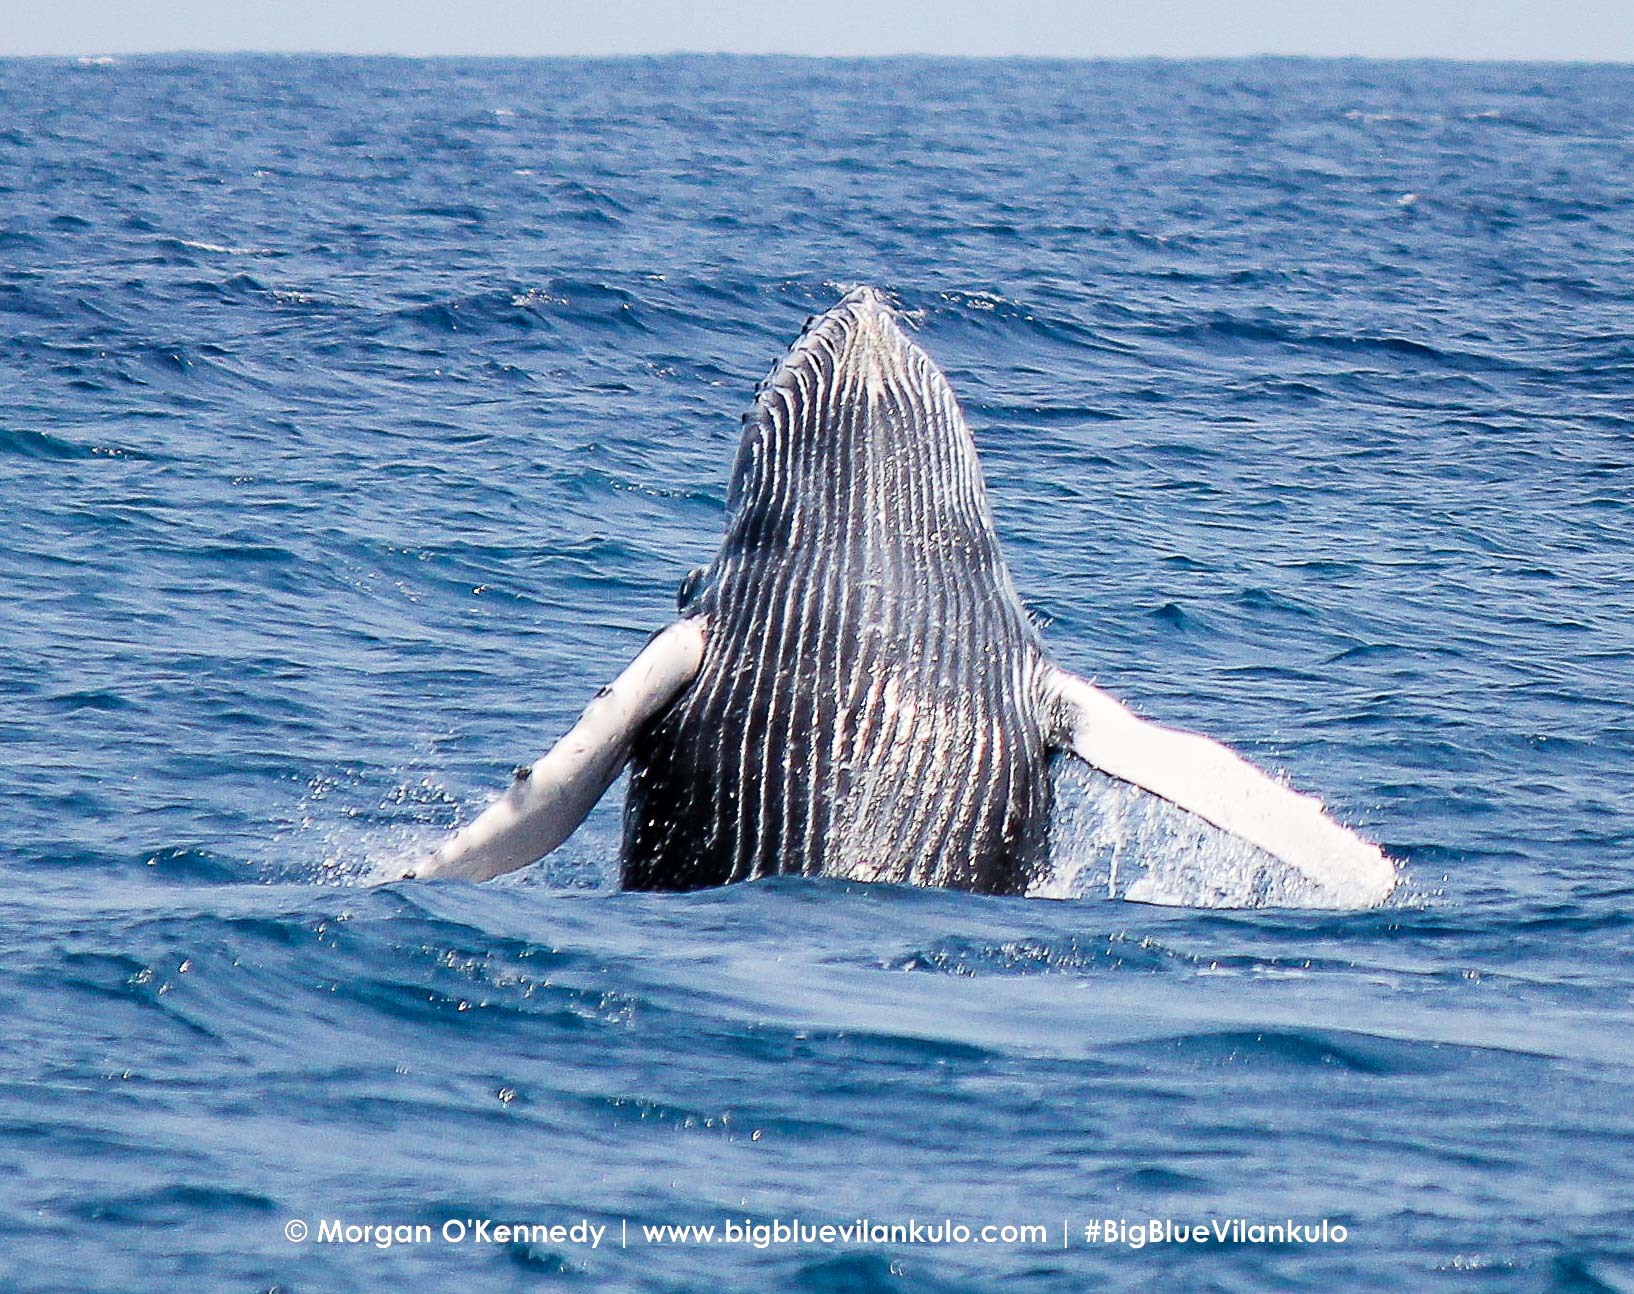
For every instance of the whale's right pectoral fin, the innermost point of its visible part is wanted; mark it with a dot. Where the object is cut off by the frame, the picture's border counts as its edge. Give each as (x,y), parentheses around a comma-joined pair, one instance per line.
(1215,783)
(547,802)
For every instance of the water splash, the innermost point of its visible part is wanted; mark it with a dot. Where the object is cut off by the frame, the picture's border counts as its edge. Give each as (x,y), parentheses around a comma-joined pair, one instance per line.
(1113,840)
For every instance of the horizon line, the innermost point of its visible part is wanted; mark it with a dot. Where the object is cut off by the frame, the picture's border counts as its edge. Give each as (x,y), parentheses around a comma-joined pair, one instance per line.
(92,56)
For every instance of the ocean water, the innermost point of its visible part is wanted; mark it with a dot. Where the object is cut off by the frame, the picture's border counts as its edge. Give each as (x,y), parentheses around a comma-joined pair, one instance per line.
(360,418)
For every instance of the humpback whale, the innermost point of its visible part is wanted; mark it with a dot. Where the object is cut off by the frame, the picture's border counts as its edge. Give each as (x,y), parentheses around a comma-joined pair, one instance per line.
(853,688)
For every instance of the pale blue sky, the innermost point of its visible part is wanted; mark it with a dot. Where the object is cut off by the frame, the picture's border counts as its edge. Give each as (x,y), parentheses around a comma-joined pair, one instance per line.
(1507,29)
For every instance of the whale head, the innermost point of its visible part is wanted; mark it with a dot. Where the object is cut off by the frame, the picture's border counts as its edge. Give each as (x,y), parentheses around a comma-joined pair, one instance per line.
(867,704)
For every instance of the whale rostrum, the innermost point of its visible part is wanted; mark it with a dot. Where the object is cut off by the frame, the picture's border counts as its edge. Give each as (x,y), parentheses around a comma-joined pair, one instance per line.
(853,688)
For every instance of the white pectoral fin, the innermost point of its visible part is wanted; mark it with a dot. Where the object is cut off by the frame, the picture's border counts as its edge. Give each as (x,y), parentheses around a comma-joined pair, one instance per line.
(547,802)
(1215,783)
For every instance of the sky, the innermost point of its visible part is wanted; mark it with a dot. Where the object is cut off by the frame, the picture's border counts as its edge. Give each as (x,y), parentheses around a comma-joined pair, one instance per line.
(1595,30)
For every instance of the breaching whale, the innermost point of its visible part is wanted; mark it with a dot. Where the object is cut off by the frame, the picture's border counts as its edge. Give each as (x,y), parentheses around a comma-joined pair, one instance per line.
(853,688)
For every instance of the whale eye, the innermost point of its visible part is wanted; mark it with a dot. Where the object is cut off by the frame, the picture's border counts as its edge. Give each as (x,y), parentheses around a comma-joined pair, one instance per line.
(689,588)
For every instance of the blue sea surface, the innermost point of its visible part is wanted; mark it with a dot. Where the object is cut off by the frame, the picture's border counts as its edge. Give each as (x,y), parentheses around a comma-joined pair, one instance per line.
(359,420)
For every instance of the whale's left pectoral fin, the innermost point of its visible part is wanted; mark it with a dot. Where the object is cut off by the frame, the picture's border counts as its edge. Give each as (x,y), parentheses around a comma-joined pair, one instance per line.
(546,802)
(1207,779)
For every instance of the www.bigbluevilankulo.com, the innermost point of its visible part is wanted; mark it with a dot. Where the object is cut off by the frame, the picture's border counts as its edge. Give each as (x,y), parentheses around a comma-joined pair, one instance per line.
(618,1232)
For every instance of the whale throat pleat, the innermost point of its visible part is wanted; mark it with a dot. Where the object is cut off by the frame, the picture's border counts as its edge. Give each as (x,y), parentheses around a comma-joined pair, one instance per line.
(868,704)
